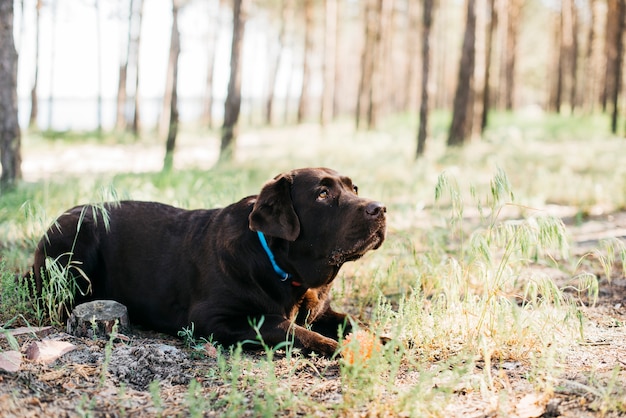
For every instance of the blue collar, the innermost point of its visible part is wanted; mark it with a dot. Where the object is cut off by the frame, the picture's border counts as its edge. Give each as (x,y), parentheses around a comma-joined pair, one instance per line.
(282,273)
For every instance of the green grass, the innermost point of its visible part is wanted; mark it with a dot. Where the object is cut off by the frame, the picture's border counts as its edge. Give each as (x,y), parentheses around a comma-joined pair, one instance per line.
(452,286)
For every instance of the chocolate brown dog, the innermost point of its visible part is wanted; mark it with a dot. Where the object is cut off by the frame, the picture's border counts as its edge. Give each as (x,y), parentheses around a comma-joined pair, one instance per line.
(272,256)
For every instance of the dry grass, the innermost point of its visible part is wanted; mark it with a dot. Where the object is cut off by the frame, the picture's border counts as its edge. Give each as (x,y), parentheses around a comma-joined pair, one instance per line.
(485,296)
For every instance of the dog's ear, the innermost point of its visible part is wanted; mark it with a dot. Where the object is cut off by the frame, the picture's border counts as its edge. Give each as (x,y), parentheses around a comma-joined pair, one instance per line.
(273,212)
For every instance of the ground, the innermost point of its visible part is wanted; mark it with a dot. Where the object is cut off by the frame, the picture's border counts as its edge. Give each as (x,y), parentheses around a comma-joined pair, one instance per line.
(105,378)
(115,378)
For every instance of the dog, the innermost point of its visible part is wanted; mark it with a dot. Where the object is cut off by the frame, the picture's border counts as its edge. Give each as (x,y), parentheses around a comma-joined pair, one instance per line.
(267,261)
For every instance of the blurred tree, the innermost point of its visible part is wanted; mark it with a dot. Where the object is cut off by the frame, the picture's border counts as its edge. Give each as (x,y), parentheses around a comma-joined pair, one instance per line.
(53,9)
(129,72)
(367,60)
(10,136)
(618,62)
(592,61)
(406,90)
(303,104)
(171,89)
(339,59)
(371,62)
(492,22)
(460,127)
(34,104)
(610,51)
(427,22)
(215,25)
(329,66)
(232,106)
(565,82)
(285,15)
(171,77)
(99,65)
(512,30)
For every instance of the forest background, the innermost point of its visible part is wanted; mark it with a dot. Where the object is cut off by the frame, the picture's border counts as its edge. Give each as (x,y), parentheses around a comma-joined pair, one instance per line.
(504,293)
(145,65)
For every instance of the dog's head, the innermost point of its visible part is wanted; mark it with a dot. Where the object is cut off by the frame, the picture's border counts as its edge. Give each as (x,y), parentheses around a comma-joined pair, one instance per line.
(320,213)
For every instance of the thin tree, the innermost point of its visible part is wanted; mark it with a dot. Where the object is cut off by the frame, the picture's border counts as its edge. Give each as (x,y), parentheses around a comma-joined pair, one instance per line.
(610,53)
(134,57)
(619,58)
(232,106)
(99,64)
(53,8)
(338,61)
(512,32)
(285,12)
(460,127)
(492,22)
(330,45)
(170,79)
(412,53)
(120,115)
(427,23)
(34,104)
(215,25)
(306,63)
(172,86)
(366,62)
(591,59)
(10,136)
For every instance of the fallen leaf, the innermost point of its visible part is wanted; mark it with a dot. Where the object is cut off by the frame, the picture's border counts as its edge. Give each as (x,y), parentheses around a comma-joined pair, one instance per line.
(10,361)
(38,331)
(47,351)
(531,406)
(210,350)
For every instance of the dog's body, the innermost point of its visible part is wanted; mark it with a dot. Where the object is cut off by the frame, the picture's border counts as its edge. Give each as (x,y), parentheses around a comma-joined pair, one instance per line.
(173,267)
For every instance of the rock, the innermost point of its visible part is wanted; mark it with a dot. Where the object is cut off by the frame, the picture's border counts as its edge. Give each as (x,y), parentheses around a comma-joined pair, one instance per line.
(47,351)
(98,319)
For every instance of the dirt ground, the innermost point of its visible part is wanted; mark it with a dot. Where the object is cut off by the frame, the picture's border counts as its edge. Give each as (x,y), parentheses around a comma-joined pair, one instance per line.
(91,381)
(100,379)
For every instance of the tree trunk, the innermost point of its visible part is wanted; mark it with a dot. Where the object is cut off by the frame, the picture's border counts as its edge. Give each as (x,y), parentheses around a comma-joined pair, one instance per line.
(216,25)
(172,132)
(590,83)
(512,29)
(170,80)
(492,17)
(306,65)
(384,11)
(10,136)
(98,318)
(120,114)
(99,64)
(619,57)
(427,21)
(330,46)
(34,104)
(610,53)
(410,72)
(232,106)
(573,61)
(53,7)
(134,59)
(366,62)
(338,67)
(555,70)
(284,19)
(460,127)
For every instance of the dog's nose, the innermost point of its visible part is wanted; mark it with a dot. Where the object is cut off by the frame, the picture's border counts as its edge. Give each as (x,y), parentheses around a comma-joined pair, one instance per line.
(375,209)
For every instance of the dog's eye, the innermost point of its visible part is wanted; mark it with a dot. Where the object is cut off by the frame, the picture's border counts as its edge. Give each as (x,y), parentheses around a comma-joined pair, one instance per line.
(355,188)
(323,195)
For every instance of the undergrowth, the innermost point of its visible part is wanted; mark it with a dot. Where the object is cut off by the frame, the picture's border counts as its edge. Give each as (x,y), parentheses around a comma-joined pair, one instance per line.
(456,295)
